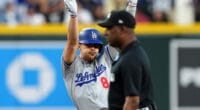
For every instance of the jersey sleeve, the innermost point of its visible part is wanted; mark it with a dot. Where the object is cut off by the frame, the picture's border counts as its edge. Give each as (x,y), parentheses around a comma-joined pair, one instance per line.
(112,53)
(68,69)
(132,77)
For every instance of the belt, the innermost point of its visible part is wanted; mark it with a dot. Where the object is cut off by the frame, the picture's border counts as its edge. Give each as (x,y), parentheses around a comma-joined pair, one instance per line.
(144,108)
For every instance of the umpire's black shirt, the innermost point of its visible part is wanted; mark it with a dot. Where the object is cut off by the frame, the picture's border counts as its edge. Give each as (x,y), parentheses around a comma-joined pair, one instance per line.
(131,77)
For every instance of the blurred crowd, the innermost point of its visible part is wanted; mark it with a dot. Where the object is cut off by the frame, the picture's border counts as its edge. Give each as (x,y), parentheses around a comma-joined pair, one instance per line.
(36,12)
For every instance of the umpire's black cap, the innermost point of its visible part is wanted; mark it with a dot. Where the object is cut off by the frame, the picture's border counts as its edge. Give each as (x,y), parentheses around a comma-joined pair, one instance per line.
(121,17)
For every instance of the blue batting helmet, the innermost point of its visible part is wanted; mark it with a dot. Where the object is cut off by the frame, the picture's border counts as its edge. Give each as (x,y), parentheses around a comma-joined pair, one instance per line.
(90,36)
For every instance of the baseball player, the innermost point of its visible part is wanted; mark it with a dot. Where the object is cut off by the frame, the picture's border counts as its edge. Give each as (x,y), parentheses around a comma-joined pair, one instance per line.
(86,76)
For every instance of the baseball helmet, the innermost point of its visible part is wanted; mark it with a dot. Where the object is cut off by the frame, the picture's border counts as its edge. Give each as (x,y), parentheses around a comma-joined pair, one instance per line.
(90,36)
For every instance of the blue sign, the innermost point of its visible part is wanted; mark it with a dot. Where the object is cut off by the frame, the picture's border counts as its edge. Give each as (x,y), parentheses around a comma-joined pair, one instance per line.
(31,76)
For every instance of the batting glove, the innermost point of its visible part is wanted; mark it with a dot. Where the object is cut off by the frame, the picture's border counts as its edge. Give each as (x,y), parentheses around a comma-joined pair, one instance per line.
(131,7)
(71,6)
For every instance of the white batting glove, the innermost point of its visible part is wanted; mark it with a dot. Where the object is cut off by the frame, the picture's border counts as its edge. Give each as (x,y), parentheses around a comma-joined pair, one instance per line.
(71,6)
(132,6)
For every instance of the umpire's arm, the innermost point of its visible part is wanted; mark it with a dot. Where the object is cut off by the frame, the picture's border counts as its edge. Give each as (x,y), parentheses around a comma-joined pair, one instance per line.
(131,103)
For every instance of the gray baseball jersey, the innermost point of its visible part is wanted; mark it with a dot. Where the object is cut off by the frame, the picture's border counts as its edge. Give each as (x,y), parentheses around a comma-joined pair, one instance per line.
(88,84)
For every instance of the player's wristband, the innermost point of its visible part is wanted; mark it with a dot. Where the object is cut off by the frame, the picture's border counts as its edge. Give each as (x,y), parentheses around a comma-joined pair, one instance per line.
(73,16)
(131,10)
(132,4)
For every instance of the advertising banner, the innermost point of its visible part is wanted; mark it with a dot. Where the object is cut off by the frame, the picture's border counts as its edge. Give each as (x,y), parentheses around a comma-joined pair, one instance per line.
(31,76)
(185,74)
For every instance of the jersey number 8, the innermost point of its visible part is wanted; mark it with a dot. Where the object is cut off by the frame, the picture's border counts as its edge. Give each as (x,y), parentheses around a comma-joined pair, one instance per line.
(104,82)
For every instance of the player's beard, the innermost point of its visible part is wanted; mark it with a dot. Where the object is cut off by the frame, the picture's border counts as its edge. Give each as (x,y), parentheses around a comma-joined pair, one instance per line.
(90,57)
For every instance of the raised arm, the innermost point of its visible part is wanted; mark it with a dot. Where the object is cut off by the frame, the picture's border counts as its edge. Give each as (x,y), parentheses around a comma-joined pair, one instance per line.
(72,36)
(131,102)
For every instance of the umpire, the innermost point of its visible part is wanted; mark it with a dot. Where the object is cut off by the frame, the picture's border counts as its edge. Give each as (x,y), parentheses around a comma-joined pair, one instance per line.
(131,85)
